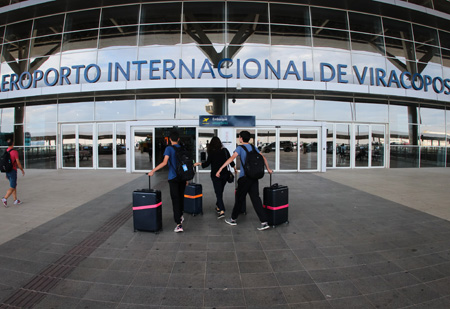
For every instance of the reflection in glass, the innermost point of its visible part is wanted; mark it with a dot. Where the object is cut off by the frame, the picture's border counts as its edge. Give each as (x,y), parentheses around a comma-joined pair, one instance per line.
(365,23)
(85,142)
(402,49)
(289,150)
(432,130)
(120,16)
(343,145)
(432,156)
(16,51)
(248,12)
(119,36)
(330,145)
(155,109)
(427,54)
(68,133)
(367,112)
(404,156)
(203,34)
(444,38)
(163,34)
(292,109)
(83,111)
(48,25)
(400,134)
(7,116)
(396,28)
(425,35)
(40,157)
(290,35)
(41,113)
(40,134)
(204,11)
(45,46)
(143,150)
(266,144)
(114,110)
(260,108)
(254,33)
(309,145)
(191,108)
(330,38)
(334,19)
(18,31)
(105,145)
(161,13)
(289,14)
(80,40)
(121,147)
(82,20)
(378,145)
(361,146)
(333,110)
(367,43)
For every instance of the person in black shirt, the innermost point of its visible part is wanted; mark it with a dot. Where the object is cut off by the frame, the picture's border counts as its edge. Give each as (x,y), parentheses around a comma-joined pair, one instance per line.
(217,155)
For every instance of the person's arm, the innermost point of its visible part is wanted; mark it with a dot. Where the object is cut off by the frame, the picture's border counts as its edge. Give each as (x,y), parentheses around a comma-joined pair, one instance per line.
(230,159)
(232,162)
(160,166)
(20,166)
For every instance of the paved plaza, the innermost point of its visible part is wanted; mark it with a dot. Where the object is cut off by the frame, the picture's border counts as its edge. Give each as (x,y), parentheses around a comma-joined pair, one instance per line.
(377,238)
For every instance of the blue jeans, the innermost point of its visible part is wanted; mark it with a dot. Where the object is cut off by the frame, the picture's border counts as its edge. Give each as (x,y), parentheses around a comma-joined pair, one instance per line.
(12,177)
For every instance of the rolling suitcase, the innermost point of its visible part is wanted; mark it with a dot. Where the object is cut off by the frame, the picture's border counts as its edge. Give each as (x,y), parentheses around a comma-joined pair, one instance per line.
(193,199)
(147,209)
(276,202)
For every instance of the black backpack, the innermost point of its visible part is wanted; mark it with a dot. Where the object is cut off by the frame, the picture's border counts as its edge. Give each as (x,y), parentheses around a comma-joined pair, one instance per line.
(184,164)
(254,164)
(6,165)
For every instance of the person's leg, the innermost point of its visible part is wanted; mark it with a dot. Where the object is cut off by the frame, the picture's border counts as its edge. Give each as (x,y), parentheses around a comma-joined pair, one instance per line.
(256,201)
(241,193)
(219,185)
(175,196)
(181,189)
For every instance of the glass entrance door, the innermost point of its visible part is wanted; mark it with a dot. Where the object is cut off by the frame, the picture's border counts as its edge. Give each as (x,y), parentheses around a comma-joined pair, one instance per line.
(356,145)
(111,145)
(77,143)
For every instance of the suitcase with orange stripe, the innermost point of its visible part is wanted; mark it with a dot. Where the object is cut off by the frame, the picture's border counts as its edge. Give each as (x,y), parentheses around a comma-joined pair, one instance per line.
(276,203)
(147,209)
(193,197)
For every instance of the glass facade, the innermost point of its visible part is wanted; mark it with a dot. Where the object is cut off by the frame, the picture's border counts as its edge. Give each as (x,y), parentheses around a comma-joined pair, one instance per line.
(123,39)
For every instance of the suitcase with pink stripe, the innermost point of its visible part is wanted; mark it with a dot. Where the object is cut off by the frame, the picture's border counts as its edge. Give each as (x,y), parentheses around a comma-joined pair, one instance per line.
(276,203)
(147,210)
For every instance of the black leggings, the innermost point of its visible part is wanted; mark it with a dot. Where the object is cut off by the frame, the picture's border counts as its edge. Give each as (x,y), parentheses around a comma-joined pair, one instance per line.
(219,185)
(177,195)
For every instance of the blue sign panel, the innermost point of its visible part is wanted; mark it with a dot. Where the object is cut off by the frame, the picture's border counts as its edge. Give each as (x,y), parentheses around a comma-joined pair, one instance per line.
(226,121)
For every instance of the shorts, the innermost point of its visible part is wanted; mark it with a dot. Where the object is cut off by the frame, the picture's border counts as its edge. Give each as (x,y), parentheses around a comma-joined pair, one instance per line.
(12,176)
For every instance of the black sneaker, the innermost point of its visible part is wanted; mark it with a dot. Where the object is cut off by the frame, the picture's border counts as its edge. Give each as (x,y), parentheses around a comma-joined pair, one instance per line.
(221,215)
(264,226)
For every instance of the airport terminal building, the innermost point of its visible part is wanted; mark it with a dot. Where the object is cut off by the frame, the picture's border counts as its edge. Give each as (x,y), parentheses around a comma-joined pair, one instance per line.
(320,84)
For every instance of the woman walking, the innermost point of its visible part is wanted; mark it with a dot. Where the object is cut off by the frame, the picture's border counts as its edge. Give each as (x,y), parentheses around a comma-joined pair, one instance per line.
(217,155)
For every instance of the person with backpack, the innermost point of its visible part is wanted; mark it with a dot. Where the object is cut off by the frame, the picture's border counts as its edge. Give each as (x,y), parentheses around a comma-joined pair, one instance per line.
(252,169)
(217,155)
(11,172)
(179,174)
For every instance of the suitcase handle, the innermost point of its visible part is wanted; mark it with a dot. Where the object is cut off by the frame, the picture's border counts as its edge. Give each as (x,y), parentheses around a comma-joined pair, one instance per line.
(149,182)
(270,179)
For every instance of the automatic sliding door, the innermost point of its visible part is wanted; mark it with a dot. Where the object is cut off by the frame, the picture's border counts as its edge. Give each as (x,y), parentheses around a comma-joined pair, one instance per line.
(69,145)
(343,142)
(204,137)
(121,153)
(309,152)
(266,144)
(105,145)
(288,150)
(378,144)
(361,145)
(143,149)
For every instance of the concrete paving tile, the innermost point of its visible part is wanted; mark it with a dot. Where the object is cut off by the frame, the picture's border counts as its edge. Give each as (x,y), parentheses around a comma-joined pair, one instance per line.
(389,299)
(223,281)
(338,289)
(143,296)
(302,293)
(254,267)
(217,298)
(183,297)
(264,297)
(155,280)
(293,278)
(105,292)
(259,280)
(187,281)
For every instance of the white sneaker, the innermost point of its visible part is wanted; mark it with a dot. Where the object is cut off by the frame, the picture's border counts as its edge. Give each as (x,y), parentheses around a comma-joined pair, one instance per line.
(5,202)
(264,226)
(17,202)
(178,228)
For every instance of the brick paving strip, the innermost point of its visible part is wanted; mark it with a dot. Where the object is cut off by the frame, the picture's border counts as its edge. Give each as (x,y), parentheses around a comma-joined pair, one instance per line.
(38,287)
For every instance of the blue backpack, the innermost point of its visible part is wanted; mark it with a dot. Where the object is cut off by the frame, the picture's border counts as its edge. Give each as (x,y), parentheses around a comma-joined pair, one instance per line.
(254,163)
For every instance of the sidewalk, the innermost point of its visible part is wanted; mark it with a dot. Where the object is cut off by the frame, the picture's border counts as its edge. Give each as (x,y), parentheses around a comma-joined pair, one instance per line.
(356,239)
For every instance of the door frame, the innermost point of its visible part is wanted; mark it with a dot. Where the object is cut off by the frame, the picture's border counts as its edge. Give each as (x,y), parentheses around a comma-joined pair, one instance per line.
(60,155)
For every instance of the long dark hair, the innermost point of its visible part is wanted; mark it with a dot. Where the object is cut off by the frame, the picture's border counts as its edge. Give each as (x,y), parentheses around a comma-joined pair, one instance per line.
(214,145)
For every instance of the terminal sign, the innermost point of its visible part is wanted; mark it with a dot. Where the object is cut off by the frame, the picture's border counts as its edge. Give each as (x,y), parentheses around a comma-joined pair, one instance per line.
(226,121)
